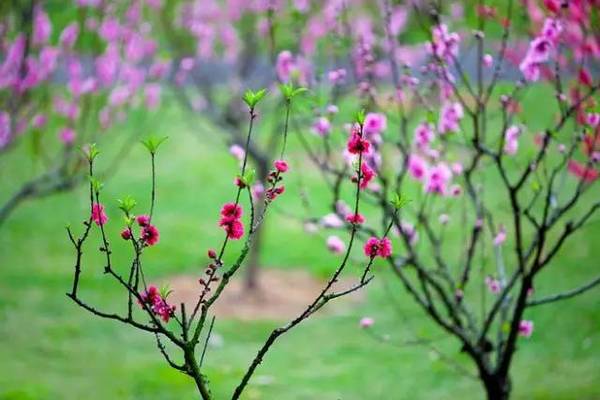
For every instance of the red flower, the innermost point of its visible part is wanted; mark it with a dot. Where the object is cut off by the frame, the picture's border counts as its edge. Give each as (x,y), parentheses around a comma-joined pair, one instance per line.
(583,172)
(126,233)
(585,78)
(280,166)
(367,175)
(234,228)
(149,235)
(378,247)
(143,220)
(272,194)
(98,214)
(357,145)
(231,211)
(355,219)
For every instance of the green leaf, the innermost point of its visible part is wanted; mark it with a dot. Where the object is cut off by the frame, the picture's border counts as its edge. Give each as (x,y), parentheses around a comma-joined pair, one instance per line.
(360,117)
(252,98)
(91,151)
(153,143)
(248,178)
(127,204)
(165,291)
(399,201)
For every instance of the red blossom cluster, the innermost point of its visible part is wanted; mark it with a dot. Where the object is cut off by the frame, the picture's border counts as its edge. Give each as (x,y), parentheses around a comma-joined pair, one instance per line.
(157,303)
(231,214)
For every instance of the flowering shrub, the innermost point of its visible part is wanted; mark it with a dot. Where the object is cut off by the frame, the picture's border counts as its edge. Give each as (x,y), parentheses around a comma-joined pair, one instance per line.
(188,325)
(455,136)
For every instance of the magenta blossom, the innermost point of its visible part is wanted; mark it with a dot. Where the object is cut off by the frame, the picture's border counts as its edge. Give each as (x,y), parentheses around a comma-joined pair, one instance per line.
(375,123)
(500,236)
(378,247)
(493,284)
(526,328)
(355,219)
(143,220)
(357,145)
(98,214)
(424,134)
(450,117)
(280,166)
(149,235)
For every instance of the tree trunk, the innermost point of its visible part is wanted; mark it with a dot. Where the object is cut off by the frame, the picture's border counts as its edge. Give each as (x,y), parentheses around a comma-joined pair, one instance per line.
(497,387)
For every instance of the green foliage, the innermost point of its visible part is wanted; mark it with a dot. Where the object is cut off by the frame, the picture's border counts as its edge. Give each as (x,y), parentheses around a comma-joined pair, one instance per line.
(399,201)
(153,143)
(289,91)
(252,98)
(127,204)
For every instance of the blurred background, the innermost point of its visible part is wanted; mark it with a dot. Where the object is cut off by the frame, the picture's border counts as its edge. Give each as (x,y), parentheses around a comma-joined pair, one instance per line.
(51,349)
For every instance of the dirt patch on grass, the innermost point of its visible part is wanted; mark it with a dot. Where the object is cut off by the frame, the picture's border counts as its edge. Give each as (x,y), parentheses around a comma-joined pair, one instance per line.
(282,294)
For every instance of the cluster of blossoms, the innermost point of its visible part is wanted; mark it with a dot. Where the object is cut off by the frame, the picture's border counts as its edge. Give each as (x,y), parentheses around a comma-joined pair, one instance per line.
(274,178)
(231,222)
(375,247)
(157,303)
(121,70)
(149,234)
(541,49)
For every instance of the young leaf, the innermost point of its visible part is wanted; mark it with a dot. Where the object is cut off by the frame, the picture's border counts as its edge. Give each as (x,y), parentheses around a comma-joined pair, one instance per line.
(360,117)
(127,204)
(399,201)
(91,151)
(153,142)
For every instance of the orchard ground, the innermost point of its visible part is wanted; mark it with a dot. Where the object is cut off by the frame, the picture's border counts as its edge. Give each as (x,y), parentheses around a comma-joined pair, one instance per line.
(51,349)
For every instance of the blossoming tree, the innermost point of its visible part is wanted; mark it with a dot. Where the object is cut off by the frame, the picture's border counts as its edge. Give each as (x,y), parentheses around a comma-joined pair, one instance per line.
(464,150)
(183,327)
(61,86)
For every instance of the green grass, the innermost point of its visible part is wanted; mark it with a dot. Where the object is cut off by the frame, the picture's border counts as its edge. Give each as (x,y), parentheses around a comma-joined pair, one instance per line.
(51,349)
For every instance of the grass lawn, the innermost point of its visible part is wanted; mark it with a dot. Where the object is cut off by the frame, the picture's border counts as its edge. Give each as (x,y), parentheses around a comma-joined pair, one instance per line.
(51,349)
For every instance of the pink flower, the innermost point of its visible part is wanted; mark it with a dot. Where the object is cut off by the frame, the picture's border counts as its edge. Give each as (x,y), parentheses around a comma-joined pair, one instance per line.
(530,70)
(437,179)
(500,236)
(67,135)
(143,220)
(42,27)
(98,214)
(285,65)
(68,36)
(450,117)
(582,171)
(157,304)
(417,167)
(336,76)
(321,127)
(493,284)
(211,253)
(149,235)
(367,175)
(525,328)
(39,120)
(332,221)
(273,193)
(126,233)
(231,211)
(357,145)
(378,247)
(237,151)
(488,60)
(332,109)
(335,245)
(424,134)
(356,219)
(366,322)
(540,50)
(280,166)
(233,228)
(511,139)
(593,119)
(552,29)
(375,123)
